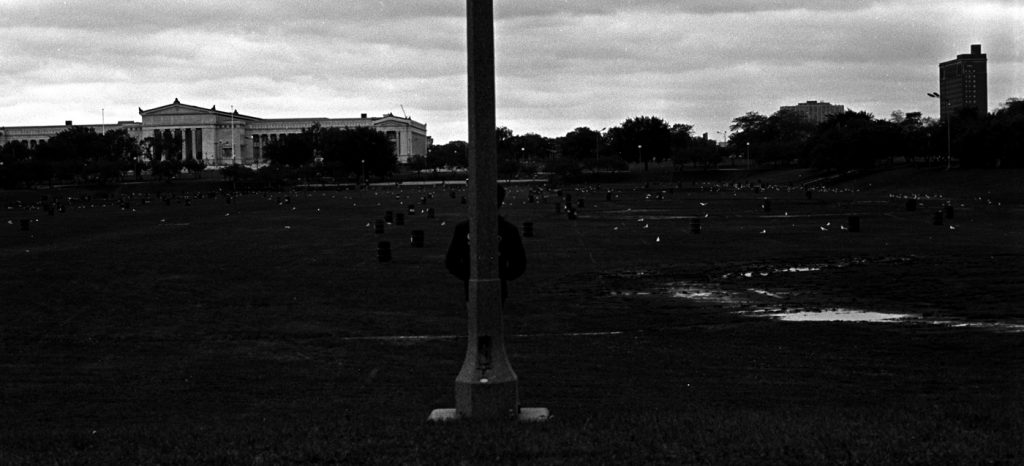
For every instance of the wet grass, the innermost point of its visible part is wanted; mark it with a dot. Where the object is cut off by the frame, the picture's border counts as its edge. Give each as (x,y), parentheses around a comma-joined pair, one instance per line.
(219,333)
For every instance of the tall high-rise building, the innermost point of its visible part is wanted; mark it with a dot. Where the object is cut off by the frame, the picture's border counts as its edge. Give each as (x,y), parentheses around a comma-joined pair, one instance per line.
(963,83)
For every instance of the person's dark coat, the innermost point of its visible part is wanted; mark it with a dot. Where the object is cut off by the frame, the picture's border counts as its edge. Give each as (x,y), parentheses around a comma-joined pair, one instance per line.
(511,254)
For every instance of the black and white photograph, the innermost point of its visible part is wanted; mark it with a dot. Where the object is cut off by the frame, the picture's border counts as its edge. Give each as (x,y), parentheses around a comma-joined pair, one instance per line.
(512,232)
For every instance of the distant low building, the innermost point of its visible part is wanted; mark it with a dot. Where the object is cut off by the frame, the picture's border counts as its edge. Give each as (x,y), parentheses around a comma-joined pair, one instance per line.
(222,138)
(814,111)
(963,83)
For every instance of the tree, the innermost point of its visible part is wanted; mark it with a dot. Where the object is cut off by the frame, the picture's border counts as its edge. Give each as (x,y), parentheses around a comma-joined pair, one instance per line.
(641,139)
(195,166)
(121,154)
(69,152)
(291,150)
(20,167)
(1007,134)
(452,154)
(237,173)
(680,136)
(776,139)
(700,152)
(581,144)
(167,169)
(355,151)
(787,133)
(914,142)
(852,140)
(531,146)
(749,133)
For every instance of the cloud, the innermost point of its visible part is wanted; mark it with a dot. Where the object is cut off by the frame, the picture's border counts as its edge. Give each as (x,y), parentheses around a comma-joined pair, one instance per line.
(560,64)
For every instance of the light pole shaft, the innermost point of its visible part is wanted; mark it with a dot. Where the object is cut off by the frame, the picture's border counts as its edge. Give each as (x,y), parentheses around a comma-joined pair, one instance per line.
(486,386)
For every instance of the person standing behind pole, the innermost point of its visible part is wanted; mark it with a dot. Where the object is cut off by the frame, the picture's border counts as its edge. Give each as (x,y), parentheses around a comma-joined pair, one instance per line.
(511,254)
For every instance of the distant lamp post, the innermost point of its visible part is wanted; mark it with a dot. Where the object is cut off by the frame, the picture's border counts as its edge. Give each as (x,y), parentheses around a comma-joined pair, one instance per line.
(257,150)
(362,164)
(597,144)
(949,131)
(640,152)
(725,141)
(748,155)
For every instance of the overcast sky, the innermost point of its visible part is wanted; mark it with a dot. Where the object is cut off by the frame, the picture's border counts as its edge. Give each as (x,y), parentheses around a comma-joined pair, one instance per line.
(560,64)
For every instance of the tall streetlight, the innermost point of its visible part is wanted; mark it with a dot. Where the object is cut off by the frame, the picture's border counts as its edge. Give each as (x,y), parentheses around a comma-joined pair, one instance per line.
(725,141)
(640,152)
(748,155)
(486,387)
(362,163)
(597,144)
(233,153)
(949,126)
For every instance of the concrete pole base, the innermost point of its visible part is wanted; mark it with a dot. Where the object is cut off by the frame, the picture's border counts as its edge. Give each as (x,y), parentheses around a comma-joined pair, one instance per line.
(525,415)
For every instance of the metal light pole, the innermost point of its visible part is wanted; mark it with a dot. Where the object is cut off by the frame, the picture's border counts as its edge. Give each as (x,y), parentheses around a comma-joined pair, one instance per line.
(640,153)
(949,129)
(362,164)
(233,153)
(725,141)
(486,386)
(748,155)
(597,144)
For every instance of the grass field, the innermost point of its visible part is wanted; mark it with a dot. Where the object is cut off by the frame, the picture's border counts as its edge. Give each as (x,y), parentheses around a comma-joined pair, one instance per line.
(258,331)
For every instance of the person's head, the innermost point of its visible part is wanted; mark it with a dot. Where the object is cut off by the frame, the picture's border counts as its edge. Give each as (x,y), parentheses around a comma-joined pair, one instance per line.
(501,195)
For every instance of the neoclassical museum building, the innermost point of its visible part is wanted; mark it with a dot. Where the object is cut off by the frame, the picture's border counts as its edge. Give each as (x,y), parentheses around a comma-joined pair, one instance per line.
(223,138)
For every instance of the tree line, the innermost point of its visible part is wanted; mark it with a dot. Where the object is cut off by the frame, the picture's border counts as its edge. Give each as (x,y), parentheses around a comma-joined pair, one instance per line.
(81,155)
(850,140)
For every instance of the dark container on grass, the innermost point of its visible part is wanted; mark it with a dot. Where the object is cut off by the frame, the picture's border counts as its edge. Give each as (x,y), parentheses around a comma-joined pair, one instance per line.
(25,224)
(389,216)
(399,219)
(608,196)
(580,203)
(416,238)
(527,229)
(384,251)
(695,226)
(911,205)
(378,226)
(431,213)
(766,205)
(937,218)
(948,210)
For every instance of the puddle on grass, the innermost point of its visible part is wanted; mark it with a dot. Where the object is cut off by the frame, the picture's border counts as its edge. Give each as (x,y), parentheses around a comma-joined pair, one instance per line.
(751,302)
(767,271)
(829,315)
(423,338)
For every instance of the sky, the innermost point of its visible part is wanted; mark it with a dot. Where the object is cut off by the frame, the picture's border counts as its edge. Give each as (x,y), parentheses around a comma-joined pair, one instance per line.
(559,64)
